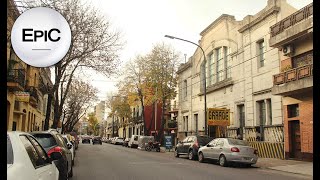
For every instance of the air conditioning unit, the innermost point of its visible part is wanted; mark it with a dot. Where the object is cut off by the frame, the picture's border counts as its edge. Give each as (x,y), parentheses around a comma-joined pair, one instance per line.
(287,50)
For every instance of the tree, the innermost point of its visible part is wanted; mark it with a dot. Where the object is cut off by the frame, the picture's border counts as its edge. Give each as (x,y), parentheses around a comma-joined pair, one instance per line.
(136,86)
(80,97)
(94,45)
(93,123)
(163,63)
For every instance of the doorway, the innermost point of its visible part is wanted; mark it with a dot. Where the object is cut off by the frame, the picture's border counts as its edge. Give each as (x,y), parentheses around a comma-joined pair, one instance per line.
(212,131)
(294,139)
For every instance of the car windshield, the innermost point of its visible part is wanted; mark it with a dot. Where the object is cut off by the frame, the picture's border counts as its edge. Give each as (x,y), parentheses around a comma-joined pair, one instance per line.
(204,140)
(9,151)
(238,142)
(46,140)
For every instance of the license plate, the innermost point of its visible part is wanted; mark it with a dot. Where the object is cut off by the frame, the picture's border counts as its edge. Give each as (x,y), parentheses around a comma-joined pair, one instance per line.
(247,158)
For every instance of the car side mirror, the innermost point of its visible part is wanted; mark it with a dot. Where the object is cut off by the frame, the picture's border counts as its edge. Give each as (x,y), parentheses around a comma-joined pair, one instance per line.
(208,145)
(69,146)
(55,156)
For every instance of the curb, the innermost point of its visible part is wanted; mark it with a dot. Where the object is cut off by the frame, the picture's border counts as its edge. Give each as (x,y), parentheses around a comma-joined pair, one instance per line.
(270,168)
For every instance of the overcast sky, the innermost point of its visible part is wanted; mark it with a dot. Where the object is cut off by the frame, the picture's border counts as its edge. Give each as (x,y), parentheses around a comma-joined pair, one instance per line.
(145,22)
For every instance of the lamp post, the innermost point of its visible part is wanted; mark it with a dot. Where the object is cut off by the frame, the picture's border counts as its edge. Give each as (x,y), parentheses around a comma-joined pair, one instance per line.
(205,83)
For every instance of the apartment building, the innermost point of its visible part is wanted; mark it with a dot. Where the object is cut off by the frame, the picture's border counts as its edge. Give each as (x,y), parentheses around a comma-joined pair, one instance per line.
(293,36)
(238,70)
(26,87)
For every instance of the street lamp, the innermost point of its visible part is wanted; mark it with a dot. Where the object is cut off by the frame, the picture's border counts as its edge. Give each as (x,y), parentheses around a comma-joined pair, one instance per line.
(205,83)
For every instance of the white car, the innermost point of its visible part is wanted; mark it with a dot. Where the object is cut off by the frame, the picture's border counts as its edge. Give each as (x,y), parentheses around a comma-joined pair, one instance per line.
(68,142)
(26,159)
(118,140)
(133,143)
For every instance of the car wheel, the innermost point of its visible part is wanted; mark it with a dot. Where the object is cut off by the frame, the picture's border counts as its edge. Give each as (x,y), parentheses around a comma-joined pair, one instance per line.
(191,156)
(176,154)
(223,161)
(201,157)
(70,174)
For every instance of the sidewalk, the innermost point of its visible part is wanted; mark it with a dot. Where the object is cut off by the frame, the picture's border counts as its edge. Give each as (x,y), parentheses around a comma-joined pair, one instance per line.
(291,166)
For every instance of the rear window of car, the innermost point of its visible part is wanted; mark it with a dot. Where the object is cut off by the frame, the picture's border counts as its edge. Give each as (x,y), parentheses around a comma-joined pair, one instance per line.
(204,140)
(46,140)
(9,151)
(238,142)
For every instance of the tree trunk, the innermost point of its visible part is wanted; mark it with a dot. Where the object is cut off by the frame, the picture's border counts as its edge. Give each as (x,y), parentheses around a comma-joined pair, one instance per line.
(56,111)
(160,135)
(48,112)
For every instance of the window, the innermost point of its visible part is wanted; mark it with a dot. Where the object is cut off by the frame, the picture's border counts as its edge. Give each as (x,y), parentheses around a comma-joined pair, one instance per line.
(269,111)
(260,54)
(220,142)
(293,110)
(220,65)
(196,122)
(185,86)
(227,52)
(39,149)
(61,140)
(33,155)
(262,112)
(211,70)
(213,143)
(185,140)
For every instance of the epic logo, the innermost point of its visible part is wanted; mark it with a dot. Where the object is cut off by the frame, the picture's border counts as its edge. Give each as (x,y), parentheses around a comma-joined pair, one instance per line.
(41,37)
(39,34)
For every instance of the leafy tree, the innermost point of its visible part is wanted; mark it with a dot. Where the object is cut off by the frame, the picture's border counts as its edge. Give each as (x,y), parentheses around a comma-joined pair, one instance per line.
(93,123)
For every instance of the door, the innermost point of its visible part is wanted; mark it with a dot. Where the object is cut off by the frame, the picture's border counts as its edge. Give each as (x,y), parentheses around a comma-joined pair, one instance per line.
(209,150)
(212,131)
(42,166)
(295,141)
(184,145)
(241,119)
(217,149)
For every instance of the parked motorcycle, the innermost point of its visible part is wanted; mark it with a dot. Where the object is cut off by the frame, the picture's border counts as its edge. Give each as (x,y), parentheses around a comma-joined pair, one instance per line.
(150,146)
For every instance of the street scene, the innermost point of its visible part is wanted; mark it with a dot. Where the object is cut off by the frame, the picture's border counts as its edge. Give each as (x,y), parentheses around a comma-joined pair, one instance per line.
(118,162)
(99,90)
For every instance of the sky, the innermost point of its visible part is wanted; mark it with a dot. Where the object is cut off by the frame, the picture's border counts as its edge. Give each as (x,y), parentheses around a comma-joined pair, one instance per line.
(145,22)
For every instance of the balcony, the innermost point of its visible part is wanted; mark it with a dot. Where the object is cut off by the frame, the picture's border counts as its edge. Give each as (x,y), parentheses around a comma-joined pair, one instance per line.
(292,27)
(293,80)
(16,79)
(33,96)
(172,124)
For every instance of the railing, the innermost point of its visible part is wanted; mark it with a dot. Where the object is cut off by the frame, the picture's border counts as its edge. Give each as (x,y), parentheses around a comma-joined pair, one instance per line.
(33,92)
(291,20)
(293,74)
(172,124)
(17,76)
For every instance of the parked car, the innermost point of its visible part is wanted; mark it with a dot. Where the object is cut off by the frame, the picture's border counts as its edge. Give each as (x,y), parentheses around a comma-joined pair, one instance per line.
(113,140)
(26,159)
(76,137)
(96,140)
(52,141)
(190,146)
(86,139)
(133,143)
(125,142)
(68,142)
(228,150)
(118,140)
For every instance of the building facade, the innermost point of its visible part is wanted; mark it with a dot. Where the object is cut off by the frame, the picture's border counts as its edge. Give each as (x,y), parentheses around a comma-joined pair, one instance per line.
(238,72)
(27,87)
(293,36)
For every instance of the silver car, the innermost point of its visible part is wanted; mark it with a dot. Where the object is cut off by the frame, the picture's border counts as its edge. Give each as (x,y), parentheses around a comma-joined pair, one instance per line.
(227,150)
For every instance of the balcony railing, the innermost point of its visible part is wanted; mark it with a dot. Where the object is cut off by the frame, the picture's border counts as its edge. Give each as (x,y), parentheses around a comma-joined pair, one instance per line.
(172,124)
(17,76)
(293,74)
(291,20)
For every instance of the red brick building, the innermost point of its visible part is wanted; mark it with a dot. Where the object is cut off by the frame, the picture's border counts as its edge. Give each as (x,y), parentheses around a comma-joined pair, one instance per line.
(294,37)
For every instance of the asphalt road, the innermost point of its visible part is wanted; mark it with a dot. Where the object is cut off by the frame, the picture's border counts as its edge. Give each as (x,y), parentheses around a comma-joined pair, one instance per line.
(114,162)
